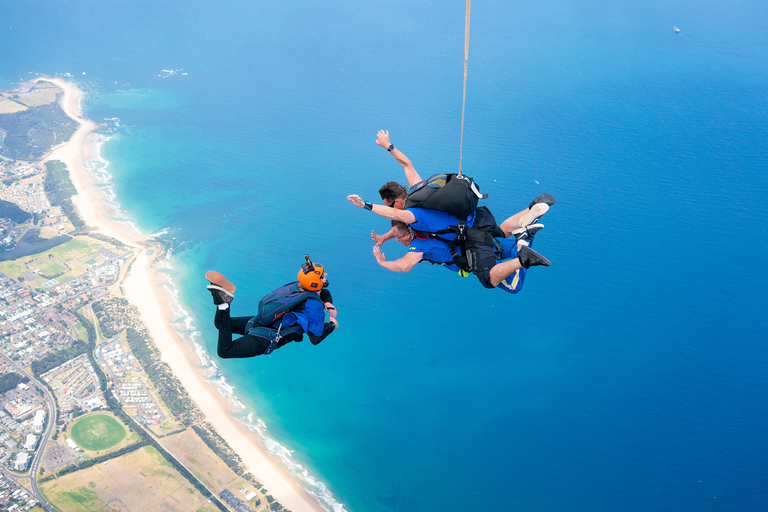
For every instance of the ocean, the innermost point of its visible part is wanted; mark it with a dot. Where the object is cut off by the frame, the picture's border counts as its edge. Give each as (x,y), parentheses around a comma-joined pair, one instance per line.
(630,375)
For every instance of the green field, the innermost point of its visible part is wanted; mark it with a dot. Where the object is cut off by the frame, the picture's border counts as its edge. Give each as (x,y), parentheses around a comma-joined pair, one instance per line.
(49,267)
(76,254)
(97,432)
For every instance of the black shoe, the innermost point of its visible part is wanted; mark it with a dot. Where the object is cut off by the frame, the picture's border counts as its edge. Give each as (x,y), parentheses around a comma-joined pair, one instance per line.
(530,258)
(220,295)
(526,234)
(543,198)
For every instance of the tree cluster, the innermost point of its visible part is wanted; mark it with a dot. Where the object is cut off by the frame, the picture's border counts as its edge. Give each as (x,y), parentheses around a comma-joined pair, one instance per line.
(12,211)
(10,380)
(31,133)
(59,190)
(55,358)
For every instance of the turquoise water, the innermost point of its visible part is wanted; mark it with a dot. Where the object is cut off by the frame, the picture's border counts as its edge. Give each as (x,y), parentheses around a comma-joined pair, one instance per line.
(630,375)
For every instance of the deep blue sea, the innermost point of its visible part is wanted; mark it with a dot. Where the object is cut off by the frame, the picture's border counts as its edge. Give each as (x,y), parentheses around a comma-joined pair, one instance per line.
(630,375)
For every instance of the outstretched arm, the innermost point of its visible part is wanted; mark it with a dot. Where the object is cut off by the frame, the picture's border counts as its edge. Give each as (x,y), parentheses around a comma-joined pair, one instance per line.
(383,211)
(382,139)
(404,264)
(380,239)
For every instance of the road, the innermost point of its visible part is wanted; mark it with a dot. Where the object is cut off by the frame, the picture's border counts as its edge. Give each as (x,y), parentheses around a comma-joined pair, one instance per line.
(51,423)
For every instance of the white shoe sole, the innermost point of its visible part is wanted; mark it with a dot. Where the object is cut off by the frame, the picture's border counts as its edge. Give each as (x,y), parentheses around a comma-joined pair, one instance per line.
(214,287)
(534,213)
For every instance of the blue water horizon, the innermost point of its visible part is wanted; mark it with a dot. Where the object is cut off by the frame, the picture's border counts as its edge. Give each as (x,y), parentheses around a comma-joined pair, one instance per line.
(630,375)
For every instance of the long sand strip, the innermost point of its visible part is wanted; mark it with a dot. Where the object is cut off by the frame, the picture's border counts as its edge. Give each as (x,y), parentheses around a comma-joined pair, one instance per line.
(142,289)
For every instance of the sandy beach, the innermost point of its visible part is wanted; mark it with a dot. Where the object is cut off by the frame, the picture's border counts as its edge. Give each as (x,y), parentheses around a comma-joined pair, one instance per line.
(141,287)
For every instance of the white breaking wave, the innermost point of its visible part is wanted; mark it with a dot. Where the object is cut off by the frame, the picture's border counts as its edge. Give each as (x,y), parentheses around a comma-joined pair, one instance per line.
(98,166)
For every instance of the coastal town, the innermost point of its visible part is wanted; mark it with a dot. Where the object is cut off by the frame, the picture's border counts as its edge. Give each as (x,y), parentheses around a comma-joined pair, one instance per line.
(87,410)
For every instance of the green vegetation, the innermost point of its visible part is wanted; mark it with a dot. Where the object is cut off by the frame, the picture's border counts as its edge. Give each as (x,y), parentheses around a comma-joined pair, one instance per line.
(73,253)
(49,267)
(97,432)
(59,190)
(12,268)
(80,498)
(10,380)
(58,186)
(108,239)
(33,132)
(53,359)
(82,335)
(12,211)
(70,251)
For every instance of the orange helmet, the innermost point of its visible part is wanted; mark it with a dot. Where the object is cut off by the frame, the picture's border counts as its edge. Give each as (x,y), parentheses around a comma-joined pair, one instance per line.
(311,276)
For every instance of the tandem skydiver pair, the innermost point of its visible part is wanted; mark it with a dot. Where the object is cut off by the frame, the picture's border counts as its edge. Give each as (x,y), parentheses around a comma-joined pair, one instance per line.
(439,222)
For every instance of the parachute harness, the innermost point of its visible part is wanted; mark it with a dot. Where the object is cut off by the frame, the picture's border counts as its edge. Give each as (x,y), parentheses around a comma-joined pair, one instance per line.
(273,344)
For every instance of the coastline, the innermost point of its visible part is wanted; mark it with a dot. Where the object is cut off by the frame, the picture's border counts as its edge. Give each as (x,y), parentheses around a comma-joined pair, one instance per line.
(142,287)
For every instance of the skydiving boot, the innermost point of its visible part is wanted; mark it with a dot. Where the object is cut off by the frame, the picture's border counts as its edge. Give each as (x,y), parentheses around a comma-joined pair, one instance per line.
(221,289)
(543,198)
(530,258)
(220,295)
(533,215)
(525,235)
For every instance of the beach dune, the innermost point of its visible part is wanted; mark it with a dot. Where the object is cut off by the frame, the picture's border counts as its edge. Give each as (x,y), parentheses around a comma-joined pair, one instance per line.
(142,289)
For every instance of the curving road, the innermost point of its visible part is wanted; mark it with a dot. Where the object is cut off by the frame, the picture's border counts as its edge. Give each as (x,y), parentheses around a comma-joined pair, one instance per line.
(36,461)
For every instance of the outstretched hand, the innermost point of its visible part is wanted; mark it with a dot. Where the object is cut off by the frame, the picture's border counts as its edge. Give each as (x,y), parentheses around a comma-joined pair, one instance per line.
(356,200)
(379,239)
(380,258)
(382,139)
(331,309)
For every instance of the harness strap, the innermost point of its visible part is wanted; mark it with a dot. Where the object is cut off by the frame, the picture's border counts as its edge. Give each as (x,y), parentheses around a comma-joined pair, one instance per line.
(249,325)
(273,344)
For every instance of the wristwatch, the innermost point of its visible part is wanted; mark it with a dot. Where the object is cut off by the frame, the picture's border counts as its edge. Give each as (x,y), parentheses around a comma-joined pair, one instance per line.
(391,147)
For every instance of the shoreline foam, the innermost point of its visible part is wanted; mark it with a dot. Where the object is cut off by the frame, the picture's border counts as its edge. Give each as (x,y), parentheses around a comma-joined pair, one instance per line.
(157,304)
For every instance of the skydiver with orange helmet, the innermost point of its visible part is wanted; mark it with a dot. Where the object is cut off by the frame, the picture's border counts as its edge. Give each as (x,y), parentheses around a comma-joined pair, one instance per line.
(283,315)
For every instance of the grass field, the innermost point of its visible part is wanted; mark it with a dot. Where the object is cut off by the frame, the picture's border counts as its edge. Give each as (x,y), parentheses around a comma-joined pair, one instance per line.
(49,267)
(139,481)
(97,432)
(74,253)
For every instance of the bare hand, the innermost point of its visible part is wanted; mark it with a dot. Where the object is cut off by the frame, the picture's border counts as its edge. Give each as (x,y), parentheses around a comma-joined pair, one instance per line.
(355,199)
(382,139)
(377,238)
(331,309)
(380,258)
(334,322)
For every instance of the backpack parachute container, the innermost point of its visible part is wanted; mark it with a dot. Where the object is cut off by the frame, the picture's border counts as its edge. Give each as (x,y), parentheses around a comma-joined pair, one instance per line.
(267,324)
(289,296)
(456,194)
